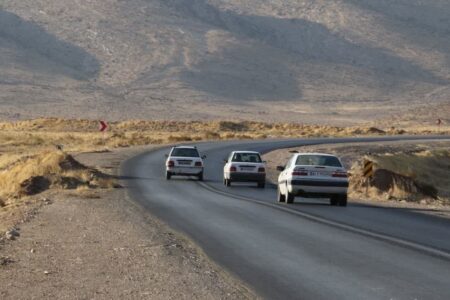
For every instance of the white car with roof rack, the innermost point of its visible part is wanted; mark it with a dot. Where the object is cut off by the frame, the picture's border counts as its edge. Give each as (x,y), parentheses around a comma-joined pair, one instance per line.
(313,175)
(184,161)
(244,166)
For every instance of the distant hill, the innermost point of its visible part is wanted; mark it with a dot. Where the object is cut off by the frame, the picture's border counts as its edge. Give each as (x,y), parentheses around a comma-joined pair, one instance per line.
(335,61)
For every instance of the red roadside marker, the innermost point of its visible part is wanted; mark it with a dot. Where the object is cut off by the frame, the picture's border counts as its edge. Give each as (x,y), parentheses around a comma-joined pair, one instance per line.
(103,126)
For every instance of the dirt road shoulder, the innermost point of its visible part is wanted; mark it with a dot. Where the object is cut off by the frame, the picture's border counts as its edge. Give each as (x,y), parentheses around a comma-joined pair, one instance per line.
(97,244)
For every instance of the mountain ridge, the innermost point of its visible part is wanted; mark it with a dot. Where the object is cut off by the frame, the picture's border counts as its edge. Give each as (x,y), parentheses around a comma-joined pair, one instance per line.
(339,61)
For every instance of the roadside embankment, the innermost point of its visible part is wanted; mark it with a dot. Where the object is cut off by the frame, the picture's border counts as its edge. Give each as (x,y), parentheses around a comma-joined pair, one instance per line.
(412,172)
(421,175)
(53,170)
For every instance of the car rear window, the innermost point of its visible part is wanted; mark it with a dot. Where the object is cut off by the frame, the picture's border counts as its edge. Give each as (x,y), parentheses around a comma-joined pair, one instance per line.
(318,160)
(185,152)
(246,157)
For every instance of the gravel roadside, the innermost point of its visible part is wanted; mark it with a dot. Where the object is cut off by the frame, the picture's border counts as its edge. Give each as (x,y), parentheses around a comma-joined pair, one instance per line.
(96,244)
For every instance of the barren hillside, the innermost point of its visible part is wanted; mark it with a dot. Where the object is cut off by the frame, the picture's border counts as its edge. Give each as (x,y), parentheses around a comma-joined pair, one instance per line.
(333,61)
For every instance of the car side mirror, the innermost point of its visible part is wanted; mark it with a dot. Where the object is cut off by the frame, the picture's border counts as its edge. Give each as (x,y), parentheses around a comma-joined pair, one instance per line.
(225,161)
(166,155)
(203,156)
(280,168)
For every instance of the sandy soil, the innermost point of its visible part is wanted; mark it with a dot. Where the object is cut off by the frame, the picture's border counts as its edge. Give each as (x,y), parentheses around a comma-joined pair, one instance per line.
(99,245)
(350,153)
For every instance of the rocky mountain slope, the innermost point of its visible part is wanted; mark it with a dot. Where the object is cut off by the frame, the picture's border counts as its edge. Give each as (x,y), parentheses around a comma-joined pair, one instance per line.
(313,60)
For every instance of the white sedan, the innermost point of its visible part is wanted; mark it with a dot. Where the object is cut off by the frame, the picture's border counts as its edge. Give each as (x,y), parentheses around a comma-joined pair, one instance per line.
(184,161)
(244,166)
(313,175)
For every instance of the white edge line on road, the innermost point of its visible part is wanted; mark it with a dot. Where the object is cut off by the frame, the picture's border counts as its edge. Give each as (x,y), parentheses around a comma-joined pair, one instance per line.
(408,244)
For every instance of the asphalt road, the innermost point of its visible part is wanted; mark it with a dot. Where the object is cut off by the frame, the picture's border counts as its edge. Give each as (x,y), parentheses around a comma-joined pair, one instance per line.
(308,250)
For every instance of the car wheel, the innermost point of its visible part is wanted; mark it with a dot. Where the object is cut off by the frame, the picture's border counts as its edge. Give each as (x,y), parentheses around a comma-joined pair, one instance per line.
(334,200)
(228,182)
(289,198)
(261,185)
(168,175)
(200,176)
(343,200)
(280,196)
(224,181)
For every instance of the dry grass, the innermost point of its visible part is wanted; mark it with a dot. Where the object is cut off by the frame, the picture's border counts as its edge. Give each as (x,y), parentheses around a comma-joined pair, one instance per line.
(28,176)
(427,169)
(29,137)
(27,148)
(36,174)
(416,176)
(411,171)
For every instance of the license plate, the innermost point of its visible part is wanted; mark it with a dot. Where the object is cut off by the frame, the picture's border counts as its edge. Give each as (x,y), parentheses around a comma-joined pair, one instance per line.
(318,174)
(247,168)
(184,163)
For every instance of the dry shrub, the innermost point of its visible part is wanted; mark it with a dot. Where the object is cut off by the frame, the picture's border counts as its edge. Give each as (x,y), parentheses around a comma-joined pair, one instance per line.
(244,137)
(156,141)
(228,136)
(211,135)
(31,137)
(178,138)
(401,186)
(368,131)
(49,169)
(232,126)
(33,185)
(408,176)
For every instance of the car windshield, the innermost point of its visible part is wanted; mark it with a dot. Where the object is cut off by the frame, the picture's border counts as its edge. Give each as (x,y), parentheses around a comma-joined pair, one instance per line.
(318,160)
(185,152)
(246,157)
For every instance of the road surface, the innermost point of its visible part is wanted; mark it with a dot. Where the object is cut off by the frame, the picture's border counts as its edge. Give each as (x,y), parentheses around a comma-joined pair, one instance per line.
(308,250)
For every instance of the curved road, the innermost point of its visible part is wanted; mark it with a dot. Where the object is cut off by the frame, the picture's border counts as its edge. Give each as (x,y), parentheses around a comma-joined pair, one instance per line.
(308,250)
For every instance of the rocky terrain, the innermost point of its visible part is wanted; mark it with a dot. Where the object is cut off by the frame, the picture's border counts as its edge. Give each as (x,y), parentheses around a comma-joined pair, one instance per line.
(338,61)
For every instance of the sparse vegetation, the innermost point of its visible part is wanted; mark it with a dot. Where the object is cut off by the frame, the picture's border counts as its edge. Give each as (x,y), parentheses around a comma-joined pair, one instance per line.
(32,151)
(26,138)
(410,176)
(25,177)
(33,175)
(406,171)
